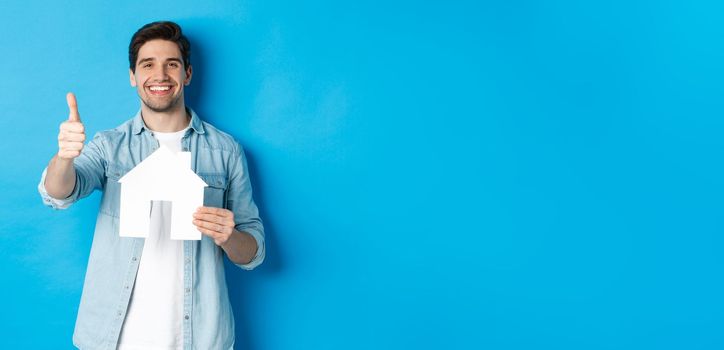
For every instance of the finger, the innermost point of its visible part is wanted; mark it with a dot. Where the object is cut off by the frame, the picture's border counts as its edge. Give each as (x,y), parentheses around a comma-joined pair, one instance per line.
(208,218)
(215,211)
(71,146)
(210,233)
(212,218)
(74,116)
(219,229)
(208,225)
(69,126)
(217,238)
(71,136)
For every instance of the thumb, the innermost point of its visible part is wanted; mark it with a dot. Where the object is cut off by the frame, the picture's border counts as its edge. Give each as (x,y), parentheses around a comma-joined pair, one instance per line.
(73,107)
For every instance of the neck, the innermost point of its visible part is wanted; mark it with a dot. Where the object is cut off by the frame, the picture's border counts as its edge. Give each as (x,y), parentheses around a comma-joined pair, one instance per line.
(172,120)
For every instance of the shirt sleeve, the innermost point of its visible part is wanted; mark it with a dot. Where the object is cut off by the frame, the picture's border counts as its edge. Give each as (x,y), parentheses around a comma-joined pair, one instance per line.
(89,174)
(240,201)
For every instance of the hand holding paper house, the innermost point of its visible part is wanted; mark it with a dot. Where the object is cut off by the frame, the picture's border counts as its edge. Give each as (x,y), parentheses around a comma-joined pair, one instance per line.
(162,176)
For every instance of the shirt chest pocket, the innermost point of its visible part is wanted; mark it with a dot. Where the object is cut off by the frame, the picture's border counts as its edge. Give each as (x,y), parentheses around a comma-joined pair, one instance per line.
(110,203)
(215,192)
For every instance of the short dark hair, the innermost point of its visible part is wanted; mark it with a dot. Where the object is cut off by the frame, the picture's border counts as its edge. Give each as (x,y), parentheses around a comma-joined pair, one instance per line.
(165,30)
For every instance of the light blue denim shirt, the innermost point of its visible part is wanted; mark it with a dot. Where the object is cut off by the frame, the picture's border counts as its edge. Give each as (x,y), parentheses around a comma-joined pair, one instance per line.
(219,160)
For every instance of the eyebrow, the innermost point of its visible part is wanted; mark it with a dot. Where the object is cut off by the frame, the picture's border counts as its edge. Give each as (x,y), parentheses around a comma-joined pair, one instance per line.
(148,59)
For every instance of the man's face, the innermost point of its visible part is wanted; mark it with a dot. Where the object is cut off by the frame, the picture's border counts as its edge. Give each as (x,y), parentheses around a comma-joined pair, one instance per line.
(160,75)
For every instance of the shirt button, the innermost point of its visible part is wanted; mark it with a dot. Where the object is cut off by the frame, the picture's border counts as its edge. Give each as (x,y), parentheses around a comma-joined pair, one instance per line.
(126,287)
(188,261)
(186,317)
(133,258)
(188,290)
(119,313)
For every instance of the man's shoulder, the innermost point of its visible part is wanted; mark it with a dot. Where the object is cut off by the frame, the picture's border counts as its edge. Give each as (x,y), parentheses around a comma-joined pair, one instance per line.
(219,140)
(116,134)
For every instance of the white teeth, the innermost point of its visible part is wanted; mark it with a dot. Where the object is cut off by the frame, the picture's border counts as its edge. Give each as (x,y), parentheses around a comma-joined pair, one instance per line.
(159,88)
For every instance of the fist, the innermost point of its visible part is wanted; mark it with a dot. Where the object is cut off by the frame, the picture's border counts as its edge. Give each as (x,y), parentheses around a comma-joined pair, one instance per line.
(72,132)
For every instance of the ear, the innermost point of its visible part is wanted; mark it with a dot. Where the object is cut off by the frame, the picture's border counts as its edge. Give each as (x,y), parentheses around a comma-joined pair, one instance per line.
(132,77)
(189,73)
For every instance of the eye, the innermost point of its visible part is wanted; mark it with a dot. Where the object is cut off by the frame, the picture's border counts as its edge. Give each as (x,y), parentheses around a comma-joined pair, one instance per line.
(174,64)
(146,65)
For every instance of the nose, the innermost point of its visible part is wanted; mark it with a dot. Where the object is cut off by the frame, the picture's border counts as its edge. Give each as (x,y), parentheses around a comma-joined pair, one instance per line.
(160,73)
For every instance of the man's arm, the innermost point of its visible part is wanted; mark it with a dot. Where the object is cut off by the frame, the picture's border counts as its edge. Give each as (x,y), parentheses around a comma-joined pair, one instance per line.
(237,228)
(60,177)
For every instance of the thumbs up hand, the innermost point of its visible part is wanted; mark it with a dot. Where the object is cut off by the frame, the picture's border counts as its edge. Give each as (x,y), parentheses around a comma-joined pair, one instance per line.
(72,132)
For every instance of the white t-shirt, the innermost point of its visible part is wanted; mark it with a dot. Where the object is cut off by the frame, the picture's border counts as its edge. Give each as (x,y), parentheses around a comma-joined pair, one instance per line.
(154,320)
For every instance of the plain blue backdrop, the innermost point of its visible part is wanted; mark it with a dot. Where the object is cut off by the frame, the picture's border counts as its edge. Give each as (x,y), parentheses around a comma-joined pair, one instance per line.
(432,175)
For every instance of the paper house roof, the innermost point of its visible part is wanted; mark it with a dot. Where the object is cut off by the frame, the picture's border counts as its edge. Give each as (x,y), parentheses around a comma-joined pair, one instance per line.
(164,169)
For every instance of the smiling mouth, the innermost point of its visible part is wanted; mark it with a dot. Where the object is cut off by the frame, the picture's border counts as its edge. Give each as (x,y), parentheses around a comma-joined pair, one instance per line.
(159,90)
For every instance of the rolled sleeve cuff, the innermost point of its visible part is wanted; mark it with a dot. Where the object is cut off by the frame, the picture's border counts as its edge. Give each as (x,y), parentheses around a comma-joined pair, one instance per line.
(260,250)
(54,202)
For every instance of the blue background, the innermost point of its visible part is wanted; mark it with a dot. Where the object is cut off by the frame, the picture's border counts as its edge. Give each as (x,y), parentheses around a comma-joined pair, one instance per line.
(462,175)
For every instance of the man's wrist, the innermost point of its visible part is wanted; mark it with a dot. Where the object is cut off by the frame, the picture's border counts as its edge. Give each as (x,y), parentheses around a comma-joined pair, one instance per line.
(61,162)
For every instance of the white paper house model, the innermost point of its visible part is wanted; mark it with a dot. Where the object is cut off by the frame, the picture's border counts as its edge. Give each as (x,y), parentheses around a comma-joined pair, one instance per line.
(162,176)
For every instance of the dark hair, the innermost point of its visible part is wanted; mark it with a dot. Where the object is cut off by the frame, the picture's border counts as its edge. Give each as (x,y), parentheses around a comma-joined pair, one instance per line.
(165,30)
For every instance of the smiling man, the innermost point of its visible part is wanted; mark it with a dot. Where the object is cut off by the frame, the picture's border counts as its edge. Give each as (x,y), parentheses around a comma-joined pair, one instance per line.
(157,293)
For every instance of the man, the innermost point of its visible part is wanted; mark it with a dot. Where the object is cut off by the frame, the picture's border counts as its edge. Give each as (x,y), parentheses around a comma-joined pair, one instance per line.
(157,293)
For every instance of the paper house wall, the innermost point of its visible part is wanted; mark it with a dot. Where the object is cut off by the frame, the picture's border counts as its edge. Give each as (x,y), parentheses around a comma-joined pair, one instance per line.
(162,176)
